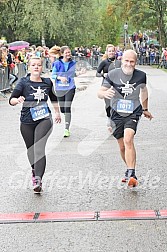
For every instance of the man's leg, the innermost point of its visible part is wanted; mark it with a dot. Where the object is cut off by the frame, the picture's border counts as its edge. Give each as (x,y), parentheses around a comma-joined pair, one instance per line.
(130,152)
(130,157)
(122,148)
(124,131)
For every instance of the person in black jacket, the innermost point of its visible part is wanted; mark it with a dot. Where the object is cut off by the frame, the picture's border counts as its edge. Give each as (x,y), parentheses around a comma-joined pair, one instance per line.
(108,63)
(36,121)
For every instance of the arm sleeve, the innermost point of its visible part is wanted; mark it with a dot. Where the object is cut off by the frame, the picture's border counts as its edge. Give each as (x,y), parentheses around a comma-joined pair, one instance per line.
(54,72)
(99,69)
(52,94)
(18,90)
(107,82)
(144,82)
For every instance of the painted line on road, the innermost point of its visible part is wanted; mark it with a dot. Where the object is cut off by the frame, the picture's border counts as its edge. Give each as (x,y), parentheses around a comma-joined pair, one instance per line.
(16,217)
(9,218)
(163,214)
(67,216)
(127,215)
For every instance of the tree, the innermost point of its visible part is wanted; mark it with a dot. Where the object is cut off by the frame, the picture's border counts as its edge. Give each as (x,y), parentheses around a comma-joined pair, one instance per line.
(42,19)
(148,15)
(78,26)
(11,19)
(160,9)
(80,22)
(110,26)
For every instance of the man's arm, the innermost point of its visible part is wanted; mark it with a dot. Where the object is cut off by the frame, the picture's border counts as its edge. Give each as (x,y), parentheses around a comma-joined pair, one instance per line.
(144,97)
(105,92)
(144,102)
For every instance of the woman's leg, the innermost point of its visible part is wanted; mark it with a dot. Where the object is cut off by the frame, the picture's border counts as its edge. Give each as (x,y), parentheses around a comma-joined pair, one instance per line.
(35,137)
(69,96)
(41,134)
(12,79)
(27,132)
(61,99)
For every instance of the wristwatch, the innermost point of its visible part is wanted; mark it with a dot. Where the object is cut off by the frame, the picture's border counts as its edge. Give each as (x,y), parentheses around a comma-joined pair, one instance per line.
(146,109)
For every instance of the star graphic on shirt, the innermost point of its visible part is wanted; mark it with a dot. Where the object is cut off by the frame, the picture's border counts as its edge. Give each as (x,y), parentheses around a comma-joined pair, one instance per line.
(39,95)
(128,88)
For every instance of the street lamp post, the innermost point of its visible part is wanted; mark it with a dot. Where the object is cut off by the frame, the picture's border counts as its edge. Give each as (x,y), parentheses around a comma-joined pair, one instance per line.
(125,33)
(43,25)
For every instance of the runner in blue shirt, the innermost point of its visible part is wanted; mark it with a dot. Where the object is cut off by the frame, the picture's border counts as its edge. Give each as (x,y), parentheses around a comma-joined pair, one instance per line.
(63,72)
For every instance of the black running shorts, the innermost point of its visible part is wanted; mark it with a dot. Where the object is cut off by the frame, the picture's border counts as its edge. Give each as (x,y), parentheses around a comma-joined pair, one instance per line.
(121,123)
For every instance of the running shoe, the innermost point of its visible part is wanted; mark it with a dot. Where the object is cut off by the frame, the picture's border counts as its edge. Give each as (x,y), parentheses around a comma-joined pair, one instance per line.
(132,182)
(125,178)
(130,177)
(66,133)
(37,186)
(33,178)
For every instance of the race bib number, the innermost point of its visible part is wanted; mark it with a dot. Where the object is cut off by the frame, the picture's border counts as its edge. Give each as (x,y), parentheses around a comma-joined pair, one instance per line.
(63,84)
(125,106)
(39,112)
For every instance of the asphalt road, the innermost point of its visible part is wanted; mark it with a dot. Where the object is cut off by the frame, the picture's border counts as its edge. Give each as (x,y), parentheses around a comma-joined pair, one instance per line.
(83,174)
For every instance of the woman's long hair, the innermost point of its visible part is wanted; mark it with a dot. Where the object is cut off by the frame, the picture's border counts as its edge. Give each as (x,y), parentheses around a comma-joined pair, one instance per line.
(55,51)
(105,56)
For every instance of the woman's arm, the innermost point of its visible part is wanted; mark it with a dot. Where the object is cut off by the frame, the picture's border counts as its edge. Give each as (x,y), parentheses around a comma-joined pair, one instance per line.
(14,101)
(100,69)
(54,101)
(57,112)
(54,73)
(16,97)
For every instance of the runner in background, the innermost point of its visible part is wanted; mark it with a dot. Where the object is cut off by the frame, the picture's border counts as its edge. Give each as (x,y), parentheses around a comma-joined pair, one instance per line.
(63,73)
(108,63)
(54,54)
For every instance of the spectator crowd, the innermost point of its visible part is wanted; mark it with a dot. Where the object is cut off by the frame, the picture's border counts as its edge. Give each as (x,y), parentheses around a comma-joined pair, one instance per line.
(148,54)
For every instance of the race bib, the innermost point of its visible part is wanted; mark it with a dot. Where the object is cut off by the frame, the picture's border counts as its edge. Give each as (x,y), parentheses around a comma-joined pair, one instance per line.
(39,112)
(125,106)
(63,85)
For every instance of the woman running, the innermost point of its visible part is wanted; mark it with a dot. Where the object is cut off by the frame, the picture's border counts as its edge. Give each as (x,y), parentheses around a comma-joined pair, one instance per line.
(36,121)
(108,63)
(63,72)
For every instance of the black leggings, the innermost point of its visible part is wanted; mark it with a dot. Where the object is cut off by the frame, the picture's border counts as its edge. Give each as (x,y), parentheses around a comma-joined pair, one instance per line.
(65,99)
(35,137)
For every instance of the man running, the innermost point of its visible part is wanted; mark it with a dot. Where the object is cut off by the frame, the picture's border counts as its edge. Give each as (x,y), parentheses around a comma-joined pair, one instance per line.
(127,88)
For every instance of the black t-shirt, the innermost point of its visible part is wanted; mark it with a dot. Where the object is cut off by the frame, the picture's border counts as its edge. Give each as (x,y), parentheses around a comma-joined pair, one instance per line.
(126,100)
(103,66)
(36,95)
(106,65)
